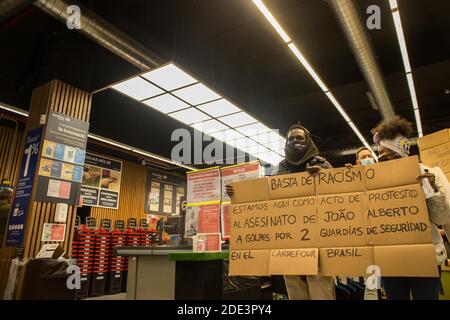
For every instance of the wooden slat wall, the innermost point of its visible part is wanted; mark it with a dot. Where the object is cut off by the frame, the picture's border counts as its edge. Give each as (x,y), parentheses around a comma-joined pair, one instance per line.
(132,195)
(66,99)
(11,141)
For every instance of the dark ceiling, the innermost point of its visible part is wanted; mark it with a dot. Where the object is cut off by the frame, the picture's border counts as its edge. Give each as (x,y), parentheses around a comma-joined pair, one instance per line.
(232,48)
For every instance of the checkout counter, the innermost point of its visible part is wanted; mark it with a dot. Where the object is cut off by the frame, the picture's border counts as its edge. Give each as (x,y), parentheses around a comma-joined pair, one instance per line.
(173,273)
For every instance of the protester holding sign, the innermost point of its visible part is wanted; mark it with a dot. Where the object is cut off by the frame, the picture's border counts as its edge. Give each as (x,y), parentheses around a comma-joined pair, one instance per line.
(301,154)
(392,138)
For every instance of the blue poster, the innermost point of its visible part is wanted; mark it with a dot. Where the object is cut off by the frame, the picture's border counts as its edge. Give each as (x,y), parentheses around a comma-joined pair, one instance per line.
(56,169)
(59,151)
(79,156)
(77,174)
(19,208)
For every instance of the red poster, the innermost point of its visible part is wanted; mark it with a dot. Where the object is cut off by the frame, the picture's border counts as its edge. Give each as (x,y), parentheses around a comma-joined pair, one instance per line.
(225,218)
(208,218)
(213,242)
(64,189)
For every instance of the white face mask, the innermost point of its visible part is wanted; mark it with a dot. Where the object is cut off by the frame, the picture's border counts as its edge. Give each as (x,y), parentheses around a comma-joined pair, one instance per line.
(367,161)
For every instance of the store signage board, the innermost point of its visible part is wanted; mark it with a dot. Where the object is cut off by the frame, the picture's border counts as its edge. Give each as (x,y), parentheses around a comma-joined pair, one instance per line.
(101,182)
(62,159)
(19,209)
(372,209)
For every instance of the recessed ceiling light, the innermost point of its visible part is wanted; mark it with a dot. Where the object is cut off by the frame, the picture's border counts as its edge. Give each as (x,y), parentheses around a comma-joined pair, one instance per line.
(166,103)
(243,143)
(268,137)
(238,119)
(210,126)
(253,129)
(227,135)
(138,88)
(189,116)
(219,108)
(196,94)
(169,77)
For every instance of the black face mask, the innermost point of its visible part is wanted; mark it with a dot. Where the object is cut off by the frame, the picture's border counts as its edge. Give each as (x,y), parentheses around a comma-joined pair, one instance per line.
(295,149)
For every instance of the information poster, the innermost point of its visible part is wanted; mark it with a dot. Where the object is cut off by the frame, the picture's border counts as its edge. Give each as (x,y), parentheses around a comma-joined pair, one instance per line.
(239,172)
(153,198)
(225,220)
(191,222)
(168,195)
(164,192)
(101,182)
(19,209)
(213,242)
(203,186)
(63,154)
(181,192)
(202,219)
(53,232)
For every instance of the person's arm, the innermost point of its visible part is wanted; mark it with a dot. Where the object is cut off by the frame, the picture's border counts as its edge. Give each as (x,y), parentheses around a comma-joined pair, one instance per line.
(438,205)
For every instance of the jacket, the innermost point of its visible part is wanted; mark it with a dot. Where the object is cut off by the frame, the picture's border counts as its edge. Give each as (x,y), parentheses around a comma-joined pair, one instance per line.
(439,211)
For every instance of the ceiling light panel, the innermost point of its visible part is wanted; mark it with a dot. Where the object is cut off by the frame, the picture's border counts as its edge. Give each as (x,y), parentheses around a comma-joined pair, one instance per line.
(219,108)
(166,103)
(169,77)
(189,116)
(210,126)
(253,129)
(238,119)
(196,94)
(138,88)
(227,135)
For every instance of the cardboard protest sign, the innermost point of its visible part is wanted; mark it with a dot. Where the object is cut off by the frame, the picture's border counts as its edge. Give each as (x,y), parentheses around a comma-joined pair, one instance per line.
(340,220)
(434,139)
(340,180)
(438,156)
(356,218)
(289,223)
(348,261)
(250,191)
(249,262)
(294,261)
(291,185)
(392,173)
(397,216)
(407,260)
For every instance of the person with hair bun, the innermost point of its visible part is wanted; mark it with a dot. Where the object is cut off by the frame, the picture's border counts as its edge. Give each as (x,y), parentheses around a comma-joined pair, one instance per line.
(392,137)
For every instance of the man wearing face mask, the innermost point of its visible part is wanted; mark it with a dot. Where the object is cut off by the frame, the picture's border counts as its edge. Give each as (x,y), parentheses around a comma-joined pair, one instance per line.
(301,154)
(364,156)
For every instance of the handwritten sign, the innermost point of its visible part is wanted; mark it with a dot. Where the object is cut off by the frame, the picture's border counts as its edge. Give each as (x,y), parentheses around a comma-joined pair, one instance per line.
(340,218)
(291,185)
(349,214)
(289,223)
(397,216)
